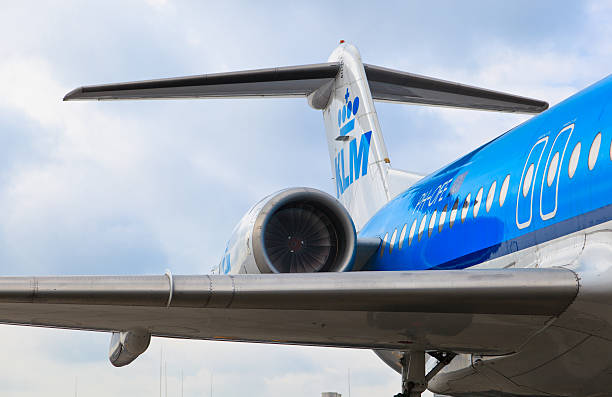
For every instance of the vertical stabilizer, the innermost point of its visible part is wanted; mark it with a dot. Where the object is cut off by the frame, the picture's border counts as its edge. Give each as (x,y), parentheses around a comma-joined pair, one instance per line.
(357,150)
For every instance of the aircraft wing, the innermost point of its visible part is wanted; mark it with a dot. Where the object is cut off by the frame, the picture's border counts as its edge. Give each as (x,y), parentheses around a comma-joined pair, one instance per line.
(480,311)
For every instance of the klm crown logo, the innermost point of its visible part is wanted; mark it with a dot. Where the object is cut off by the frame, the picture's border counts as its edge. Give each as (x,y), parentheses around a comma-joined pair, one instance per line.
(358,147)
(346,115)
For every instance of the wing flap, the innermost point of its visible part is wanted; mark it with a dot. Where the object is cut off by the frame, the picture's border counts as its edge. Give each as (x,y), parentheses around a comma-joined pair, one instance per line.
(478,333)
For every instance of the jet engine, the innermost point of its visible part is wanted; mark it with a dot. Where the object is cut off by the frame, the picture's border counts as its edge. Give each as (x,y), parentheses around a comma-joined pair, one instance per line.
(298,230)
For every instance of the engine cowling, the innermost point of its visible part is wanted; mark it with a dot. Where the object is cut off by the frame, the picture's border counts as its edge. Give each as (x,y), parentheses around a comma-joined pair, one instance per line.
(126,346)
(298,230)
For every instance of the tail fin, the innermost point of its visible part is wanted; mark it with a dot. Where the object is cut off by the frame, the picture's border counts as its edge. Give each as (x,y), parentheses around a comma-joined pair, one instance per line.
(344,88)
(360,163)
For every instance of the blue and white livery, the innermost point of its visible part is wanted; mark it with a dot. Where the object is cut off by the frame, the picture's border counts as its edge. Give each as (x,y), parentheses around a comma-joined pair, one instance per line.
(491,276)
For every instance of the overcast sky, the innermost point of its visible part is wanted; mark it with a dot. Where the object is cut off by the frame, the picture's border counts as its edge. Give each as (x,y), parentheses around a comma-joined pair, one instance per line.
(138,187)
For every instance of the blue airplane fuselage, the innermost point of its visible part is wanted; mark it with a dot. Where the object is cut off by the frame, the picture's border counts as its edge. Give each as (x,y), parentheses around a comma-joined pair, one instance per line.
(559,165)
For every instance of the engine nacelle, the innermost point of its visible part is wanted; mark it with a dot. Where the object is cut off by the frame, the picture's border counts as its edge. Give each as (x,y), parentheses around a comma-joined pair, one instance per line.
(126,346)
(298,230)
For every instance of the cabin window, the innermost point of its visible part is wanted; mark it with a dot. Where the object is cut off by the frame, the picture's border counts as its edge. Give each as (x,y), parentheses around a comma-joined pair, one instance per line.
(383,244)
(573,163)
(504,190)
(412,229)
(402,236)
(453,213)
(442,218)
(528,179)
(491,196)
(594,151)
(422,226)
(477,202)
(552,169)
(392,243)
(432,223)
(466,207)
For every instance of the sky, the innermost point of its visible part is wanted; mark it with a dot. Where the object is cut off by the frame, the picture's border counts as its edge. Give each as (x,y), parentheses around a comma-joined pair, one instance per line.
(140,187)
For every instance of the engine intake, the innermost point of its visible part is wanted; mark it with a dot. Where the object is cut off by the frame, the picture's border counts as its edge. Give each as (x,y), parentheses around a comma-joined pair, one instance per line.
(303,231)
(298,230)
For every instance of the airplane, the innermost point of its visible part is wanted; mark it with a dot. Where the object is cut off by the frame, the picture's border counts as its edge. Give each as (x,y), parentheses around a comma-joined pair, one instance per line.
(491,276)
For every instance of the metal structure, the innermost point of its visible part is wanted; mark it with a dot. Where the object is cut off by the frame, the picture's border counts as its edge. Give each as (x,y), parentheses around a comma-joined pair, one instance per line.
(490,277)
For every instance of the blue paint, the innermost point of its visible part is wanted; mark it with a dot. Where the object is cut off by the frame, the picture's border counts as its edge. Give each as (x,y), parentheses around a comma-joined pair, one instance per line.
(358,152)
(338,178)
(349,111)
(225,266)
(357,163)
(528,240)
(548,194)
(345,178)
(348,127)
(544,213)
(359,157)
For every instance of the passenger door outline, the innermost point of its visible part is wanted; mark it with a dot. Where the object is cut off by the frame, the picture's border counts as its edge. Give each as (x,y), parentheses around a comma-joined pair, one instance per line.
(541,142)
(552,152)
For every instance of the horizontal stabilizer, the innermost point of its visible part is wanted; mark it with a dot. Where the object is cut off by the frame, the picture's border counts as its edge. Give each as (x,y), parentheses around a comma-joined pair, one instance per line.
(273,82)
(491,311)
(301,81)
(396,86)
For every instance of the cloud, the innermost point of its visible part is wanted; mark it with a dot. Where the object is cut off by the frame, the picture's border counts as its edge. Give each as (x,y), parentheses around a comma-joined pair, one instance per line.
(58,358)
(136,187)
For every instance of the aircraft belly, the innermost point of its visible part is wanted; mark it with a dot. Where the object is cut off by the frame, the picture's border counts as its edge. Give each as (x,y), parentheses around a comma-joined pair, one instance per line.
(583,370)
(574,372)
(571,356)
